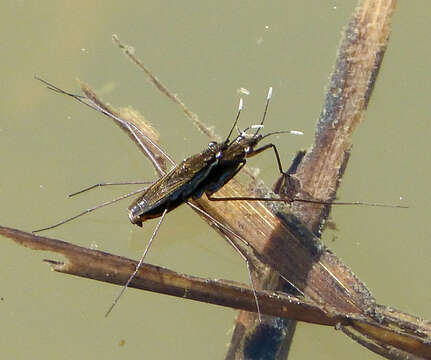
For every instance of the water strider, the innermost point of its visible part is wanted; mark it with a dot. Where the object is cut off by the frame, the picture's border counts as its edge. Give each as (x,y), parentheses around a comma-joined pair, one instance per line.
(203,173)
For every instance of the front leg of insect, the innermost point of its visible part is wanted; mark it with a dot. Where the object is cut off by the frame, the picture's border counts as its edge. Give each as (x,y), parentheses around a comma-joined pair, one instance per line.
(253,152)
(289,184)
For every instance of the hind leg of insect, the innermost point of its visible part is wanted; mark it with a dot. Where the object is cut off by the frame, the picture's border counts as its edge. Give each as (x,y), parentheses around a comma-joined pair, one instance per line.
(227,230)
(108,183)
(236,248)
(286,186)
(266,147)
(288,196)
(90,210)
(139,265)
(286,178)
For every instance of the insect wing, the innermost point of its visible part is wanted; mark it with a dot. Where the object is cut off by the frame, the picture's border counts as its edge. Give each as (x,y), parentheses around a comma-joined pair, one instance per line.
(176,186)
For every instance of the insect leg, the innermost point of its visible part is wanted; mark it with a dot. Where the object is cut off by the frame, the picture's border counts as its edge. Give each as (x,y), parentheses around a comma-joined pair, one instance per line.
(236,248)
(290,200)
(250,275)
(94,103)
(266,147)
(141,261)
(90,210)
(243,256)
(317,202)
(108,184)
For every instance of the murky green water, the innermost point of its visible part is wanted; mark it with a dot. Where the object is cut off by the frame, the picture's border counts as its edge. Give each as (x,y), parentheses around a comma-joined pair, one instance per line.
(51,146)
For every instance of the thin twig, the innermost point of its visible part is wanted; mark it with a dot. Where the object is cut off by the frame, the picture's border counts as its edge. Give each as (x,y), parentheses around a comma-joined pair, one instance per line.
(129,51)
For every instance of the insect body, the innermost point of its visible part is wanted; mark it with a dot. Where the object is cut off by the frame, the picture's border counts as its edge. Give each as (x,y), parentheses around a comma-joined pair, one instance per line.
(186,180)
(205,172)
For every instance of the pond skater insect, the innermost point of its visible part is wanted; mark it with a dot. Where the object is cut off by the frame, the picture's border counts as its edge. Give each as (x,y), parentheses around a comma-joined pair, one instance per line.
(203,173)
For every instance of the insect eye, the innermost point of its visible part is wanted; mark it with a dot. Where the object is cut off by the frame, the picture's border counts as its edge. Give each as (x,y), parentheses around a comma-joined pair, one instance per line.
(212,144)
(218,155)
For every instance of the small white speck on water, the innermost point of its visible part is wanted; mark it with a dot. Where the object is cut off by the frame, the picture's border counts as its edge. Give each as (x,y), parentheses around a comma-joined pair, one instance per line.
(243,91)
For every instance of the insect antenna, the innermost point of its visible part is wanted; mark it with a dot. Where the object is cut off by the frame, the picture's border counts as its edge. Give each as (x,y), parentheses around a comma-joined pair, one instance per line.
(268,99)
(292,132)
(240,107)
(258,127)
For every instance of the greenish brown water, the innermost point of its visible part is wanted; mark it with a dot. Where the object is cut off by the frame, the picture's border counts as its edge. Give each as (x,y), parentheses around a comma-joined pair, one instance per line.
(51,146)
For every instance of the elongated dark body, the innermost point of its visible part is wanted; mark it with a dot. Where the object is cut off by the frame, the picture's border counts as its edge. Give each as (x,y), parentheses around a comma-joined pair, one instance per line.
(205,172)
(177,186)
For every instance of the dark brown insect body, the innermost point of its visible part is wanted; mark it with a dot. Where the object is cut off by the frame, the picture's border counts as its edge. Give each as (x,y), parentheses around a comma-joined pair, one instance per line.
(186,180)
(205,172)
